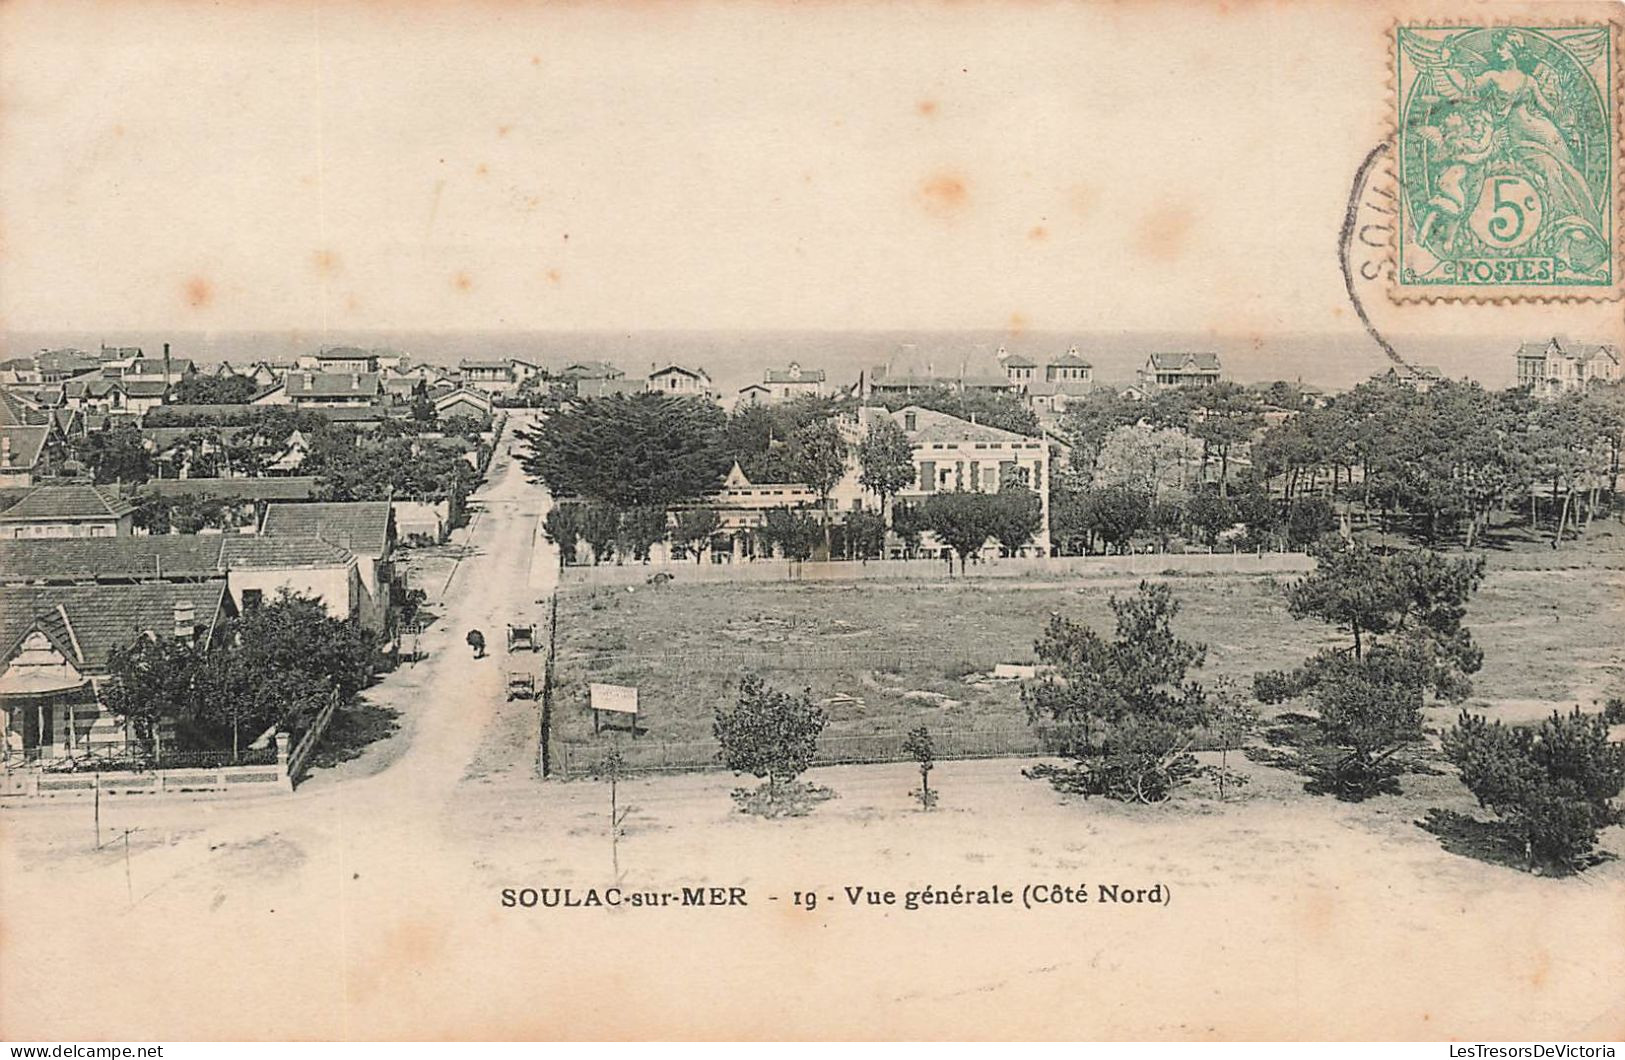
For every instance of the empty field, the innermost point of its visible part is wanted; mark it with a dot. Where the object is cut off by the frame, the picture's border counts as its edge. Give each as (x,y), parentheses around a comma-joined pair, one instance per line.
(884,657)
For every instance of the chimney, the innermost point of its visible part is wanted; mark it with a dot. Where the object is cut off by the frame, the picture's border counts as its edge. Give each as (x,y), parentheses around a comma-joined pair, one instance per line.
(184,623)
(166,363)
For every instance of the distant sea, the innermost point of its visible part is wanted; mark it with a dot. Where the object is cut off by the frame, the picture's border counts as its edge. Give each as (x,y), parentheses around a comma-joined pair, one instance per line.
(735,358)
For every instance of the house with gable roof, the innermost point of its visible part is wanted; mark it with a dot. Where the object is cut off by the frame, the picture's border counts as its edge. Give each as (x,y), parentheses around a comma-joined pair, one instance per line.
(327,389)
(55,641)
(1164,370)
(676,380)
(365,528)
(69,511)
(23,455)
(793,381)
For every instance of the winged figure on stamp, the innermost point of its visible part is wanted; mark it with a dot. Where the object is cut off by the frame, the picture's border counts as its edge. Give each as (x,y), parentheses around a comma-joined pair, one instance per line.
(1505,113)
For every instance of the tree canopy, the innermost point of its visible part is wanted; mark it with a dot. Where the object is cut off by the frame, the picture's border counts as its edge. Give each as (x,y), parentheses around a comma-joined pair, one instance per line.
(626,451)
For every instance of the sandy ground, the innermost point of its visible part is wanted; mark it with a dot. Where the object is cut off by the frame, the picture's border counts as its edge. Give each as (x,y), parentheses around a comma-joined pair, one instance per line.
(369,903)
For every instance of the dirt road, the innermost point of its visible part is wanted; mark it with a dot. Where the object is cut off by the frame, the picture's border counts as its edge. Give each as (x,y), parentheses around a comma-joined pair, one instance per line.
(369,904)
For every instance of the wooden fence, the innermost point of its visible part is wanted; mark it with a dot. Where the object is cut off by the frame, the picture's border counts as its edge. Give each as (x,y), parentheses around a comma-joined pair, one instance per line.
(300,759)
(211,774)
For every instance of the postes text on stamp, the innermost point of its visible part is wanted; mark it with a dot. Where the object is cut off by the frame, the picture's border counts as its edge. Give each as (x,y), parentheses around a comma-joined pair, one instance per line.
(1505,157)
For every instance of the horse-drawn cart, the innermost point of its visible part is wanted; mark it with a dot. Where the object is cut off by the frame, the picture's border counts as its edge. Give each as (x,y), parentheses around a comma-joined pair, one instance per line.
(521,684)
(522,637)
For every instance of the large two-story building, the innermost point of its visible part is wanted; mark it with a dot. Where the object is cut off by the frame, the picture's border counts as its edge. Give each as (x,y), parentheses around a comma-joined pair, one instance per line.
(1557,365)
(952,454)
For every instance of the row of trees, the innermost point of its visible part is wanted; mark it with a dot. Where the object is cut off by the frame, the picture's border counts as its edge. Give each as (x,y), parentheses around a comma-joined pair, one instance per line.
(1438,463)
(277,664)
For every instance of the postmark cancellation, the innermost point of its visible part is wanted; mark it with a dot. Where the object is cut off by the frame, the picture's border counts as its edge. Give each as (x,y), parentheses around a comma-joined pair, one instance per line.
(1506,155)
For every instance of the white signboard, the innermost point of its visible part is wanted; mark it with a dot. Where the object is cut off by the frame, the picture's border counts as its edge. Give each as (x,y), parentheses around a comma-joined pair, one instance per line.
(622,699)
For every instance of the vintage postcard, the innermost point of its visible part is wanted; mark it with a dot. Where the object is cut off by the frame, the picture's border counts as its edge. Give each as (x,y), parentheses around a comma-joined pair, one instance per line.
(773,521)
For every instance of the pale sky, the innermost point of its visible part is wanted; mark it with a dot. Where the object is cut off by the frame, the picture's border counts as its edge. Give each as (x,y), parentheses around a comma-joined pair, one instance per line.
(358,165)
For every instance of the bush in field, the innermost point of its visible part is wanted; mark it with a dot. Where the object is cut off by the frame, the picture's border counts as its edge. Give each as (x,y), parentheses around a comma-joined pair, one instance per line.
(1231,718)
(769,734)
(1129,715)
(918,746)
(1403,614)
(1554,784)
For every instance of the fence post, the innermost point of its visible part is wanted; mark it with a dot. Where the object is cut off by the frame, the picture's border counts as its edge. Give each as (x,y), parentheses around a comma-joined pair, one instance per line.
(544,761)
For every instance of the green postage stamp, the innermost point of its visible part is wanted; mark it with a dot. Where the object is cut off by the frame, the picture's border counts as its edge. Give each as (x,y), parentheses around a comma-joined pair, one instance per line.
(1505,158)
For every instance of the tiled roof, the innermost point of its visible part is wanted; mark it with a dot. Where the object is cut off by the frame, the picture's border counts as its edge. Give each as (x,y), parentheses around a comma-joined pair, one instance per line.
(789,375)
(111,558)
(155,366)
(263,552)
(692,373)
(1072,360)
(1016,360)
(939,428)
(15,412)
(463,396)
(65,361)
(331,384)
(26,443)
(350,413)
(361,526)
(344,353)
(495,366)
(67,502)
(103,617)
(1205,362)
(215,413)
(145,388)
(272,488)
(1576,351)
(95,387)
(591,370)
